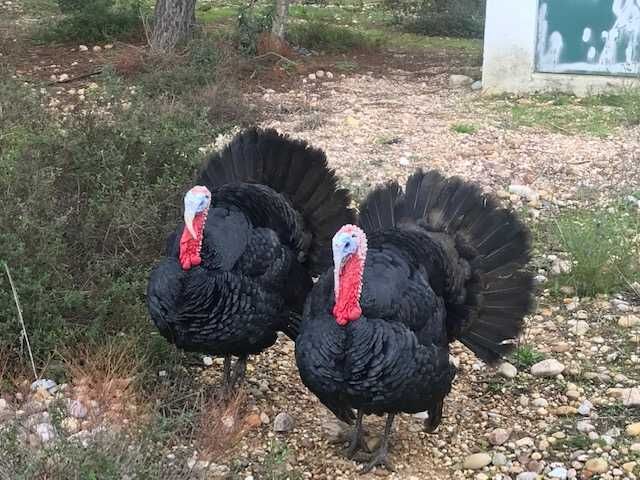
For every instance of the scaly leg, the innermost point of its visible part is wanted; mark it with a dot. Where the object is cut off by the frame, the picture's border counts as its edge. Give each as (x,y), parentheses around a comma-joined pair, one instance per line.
(239,371)
(356,442)
(226,377)
(379,458)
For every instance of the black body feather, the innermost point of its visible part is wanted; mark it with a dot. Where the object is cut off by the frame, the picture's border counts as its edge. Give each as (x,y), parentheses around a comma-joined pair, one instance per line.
(443,263)
(275,206)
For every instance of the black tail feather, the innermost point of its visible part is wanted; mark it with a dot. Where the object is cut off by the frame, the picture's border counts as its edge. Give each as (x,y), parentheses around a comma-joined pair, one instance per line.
(294,169)
(487,315)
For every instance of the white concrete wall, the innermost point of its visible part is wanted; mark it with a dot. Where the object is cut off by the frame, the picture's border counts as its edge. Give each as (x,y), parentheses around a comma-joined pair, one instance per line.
(509,55)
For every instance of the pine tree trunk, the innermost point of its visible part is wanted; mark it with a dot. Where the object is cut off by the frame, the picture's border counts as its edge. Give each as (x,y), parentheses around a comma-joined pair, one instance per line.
(173,23)
(279,26)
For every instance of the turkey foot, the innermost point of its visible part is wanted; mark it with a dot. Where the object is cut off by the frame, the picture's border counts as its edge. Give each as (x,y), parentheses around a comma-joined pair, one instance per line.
(380,457)
(239,371)
(356,443)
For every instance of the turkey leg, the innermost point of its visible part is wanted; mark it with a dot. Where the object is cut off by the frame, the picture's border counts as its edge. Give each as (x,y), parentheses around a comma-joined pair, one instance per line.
(356,443)
(379,458)
(227,386)
(239,371)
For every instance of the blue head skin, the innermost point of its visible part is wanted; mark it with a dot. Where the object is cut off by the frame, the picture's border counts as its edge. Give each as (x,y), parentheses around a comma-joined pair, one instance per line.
(196,200)
(344,245)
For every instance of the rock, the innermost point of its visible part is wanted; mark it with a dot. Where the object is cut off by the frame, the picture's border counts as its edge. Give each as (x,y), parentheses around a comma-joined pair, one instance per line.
(633,429)
(596,465)
(561,347)
(283,423)
(635,447)
(253,420)
(97,48)
(264,418)
(547,368)
(83,48)
(559,472)
(311,76)
(219,471)
(207,360)
(476,461)
(498,437)
(631,397)
(629,321)
(499,459)
(573,394)
(45,432)
(70,425)
(421,415)
(457,81)
(335,430)
(507,370)
(527,476)
(585,408)
(566,410)
(41,395)
(63,78)
(108,46)
(78,410)
(539,279)
(329,75)
(477,85)
(43,383)
(320,73)
(580,328)
(540,402)
(585,426)
(525,442)
(525,192)
(629,467)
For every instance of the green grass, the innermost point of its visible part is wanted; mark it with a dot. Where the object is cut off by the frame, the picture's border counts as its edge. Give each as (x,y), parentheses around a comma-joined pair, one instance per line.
(525,356)
(598,115)
(603,245)
(334,38)
(464,128)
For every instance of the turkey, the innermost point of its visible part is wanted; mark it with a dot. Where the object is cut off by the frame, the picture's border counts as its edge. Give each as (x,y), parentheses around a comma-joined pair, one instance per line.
(425,266)
(257,226)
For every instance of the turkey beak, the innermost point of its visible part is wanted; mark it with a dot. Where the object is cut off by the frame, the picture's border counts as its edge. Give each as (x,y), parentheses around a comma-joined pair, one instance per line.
(189,215)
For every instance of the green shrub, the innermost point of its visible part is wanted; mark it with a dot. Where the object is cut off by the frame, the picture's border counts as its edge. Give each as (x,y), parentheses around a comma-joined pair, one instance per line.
(93,21)
(603,246)
(87,204)
(322,36)
(453,18)
(253,20)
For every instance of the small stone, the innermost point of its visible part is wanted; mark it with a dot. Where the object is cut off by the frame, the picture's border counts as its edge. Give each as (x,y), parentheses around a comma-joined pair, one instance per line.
(573,394)
(482,476)
(629,467)
(457,81)
(559,472)
(499,459)
(97,48)
(207,360)
(527,476)
(635,447)
(253,420)
(633,429)
(540,402)
(335,430)
(70,425)
(329,75)
(561,347)
(507,370)
(585,426)
(78,410)
(43,383)
(525,442)
(477,85)
(585,408)
(45,432)
(83,48)
(629,321)
(566,410)
(63,78)
(596,465)
(264,418)
(320,73)
(476,461)
(525,192)
(312,76)
(108,46)
(219,471)
(498,437)
(547,368)
(580,328)
(631,397)
(162,373)
(283,423)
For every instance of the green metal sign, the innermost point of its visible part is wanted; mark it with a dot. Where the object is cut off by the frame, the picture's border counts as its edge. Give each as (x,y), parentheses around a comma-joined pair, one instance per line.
(599,37)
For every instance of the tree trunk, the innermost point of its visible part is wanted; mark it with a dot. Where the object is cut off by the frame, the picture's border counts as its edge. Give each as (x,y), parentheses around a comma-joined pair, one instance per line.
(279,26)
(173,23)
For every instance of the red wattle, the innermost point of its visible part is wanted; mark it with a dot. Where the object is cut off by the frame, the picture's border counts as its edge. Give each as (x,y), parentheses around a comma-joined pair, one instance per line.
(189,246)
(347,307)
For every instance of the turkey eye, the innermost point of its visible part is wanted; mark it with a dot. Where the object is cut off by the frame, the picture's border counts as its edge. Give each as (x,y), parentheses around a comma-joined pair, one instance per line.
(347,244)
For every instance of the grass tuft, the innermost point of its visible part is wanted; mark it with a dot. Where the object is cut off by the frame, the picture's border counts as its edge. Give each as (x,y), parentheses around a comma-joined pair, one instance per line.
(464,128)
(525,356)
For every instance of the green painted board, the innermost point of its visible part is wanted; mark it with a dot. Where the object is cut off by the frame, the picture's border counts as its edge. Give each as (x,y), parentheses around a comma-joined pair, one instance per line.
(600,37)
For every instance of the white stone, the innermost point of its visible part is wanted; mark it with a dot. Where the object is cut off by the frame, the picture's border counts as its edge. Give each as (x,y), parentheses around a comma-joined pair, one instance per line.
(63,78)
(631,397)
(507,370)
(83,48)
(476,461)
(580,328)
(97,48)
(320,73)
(477,85)
(547,368)
(45,432)
(329,75)
(78,410)
(585,426)
(585,408)
(525,192)
(629,321)
(207,360)
(43,383)
(456,81)
(312,76)
(527,476)
(559,472)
